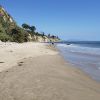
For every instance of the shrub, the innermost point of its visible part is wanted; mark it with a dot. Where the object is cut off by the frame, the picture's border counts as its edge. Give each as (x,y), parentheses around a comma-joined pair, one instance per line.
(19,35)
(4,37)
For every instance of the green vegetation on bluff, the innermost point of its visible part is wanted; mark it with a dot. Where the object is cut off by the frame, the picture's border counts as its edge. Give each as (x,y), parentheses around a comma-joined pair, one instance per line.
(10,31)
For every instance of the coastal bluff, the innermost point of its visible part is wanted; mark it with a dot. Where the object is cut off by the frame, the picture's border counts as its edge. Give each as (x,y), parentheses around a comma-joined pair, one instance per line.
(11,31)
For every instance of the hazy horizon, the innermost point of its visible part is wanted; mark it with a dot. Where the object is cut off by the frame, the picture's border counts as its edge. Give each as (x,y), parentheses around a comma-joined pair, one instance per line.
(69,19)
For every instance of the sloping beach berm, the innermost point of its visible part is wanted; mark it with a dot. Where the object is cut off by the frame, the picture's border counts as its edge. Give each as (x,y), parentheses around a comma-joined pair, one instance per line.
(35,71)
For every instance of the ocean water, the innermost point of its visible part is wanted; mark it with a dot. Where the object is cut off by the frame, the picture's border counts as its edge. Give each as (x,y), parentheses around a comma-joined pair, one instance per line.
(84,55)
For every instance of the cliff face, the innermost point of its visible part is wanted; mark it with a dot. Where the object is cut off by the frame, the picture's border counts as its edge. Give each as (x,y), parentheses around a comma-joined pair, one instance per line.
(5,15)
(6,18)
(10,31)
(6,23)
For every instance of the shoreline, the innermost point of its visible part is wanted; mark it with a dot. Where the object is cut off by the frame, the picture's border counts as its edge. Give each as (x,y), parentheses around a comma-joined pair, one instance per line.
(47,77)
(88,63)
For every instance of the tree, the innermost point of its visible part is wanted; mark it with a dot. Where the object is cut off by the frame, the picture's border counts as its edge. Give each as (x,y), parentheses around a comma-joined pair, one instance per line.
(53,36)
(25,26)
(32,28)
(42,34)
(49,35)
(57,37)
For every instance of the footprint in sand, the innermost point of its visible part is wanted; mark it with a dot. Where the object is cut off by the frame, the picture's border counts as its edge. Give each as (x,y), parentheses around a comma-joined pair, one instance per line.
(7,71)
(10,51)
(2,62)
(20,63)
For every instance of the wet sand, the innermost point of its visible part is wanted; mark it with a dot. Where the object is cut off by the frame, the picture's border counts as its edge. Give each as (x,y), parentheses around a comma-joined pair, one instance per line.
(46,77)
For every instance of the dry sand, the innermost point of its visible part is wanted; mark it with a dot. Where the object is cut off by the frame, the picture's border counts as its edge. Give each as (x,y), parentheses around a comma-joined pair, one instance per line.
(43,75)
(12,53)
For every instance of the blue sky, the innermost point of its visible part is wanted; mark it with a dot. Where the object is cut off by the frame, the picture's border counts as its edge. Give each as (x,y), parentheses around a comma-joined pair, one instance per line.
(69,19)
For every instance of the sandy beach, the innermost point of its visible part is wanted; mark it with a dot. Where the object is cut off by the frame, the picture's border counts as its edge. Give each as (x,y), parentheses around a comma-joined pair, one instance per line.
(35,71)
(12,53)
